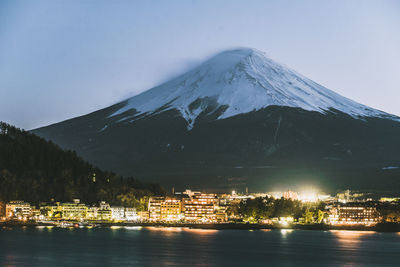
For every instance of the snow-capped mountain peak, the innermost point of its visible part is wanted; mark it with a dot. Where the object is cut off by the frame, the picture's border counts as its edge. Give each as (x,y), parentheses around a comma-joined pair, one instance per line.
(241,80)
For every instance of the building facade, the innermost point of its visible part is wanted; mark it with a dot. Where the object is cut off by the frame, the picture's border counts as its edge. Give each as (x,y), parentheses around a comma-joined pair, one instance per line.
(200,208)
(171,209)
(131,215)
(74,210)
(118,213)
(349,215)
(18,209)
(154,208)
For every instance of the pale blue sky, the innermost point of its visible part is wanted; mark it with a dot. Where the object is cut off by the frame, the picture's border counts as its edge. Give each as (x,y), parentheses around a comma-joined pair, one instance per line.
(60,59)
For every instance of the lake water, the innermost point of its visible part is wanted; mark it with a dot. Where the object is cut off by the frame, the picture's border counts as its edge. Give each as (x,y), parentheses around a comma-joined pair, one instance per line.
(156,246)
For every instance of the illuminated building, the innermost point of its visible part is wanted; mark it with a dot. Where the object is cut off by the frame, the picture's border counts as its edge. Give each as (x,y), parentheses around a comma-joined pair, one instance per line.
(155,208)
(104,212)
(2,209)
(349,215)
(131,215)
(74,210)
(144,216)
(344,197)
(221,215)
(200,208)
(36,214)
(104,215)
(19,209)
(171,209)
(290,195)
(51,211)
(118,213)
(91,213)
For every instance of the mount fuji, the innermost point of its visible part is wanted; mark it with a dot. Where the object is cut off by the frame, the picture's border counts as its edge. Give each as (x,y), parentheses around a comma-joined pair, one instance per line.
(239,119)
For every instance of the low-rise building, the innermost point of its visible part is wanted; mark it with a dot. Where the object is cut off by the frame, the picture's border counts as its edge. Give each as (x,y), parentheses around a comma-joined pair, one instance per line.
(131,215)
(74,210)
(91,213)
(36,214)
(350,215)
(221,215)
(118,213)
(171,209)
(144,216)
(104,212)
(51,211)
(18,209)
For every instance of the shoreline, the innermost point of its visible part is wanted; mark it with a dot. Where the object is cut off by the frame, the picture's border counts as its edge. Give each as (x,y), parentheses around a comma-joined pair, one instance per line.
(381,227)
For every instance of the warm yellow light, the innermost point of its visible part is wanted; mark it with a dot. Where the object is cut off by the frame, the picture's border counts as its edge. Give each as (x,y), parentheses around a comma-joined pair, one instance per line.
(308,196)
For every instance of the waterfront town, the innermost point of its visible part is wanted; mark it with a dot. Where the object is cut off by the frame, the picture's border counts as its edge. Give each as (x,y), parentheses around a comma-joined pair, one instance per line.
(195,207)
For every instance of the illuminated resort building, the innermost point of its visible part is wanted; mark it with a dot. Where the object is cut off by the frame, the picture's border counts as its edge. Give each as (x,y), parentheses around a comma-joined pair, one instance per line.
(171,209)
(200,208)
(118,213)
(349,215)
(18,209)
(143,215)
(73,211)
(155,208)
(104,212)
(91,213)
(131,215)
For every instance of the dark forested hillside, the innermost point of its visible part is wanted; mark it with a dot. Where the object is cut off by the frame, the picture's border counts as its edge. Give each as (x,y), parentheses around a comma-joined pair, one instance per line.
(34,170)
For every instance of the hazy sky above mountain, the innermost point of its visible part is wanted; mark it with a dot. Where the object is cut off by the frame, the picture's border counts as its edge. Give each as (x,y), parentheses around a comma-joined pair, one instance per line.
(61,59)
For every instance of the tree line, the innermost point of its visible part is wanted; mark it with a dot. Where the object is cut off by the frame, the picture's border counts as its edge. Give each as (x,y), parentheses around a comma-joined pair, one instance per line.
(36,170)
(261,208)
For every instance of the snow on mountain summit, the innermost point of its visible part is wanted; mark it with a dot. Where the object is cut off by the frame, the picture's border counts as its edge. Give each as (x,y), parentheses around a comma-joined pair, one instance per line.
(242,80)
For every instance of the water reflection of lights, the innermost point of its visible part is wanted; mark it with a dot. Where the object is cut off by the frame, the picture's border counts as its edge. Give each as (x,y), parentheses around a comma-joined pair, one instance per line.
(351,234)
(164,229)
(350,238)
(133,227)
(115,227)
(284,232)
(201,231)
(265,230)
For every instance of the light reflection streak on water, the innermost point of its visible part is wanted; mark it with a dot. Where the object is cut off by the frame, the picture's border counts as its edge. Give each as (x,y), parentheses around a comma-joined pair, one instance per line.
(348,239)
(201,231)
(285,232)
(164,229)
(133,227)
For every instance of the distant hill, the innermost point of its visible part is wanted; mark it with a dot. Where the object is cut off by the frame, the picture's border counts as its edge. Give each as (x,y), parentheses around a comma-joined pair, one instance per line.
(240,120)
(35,170)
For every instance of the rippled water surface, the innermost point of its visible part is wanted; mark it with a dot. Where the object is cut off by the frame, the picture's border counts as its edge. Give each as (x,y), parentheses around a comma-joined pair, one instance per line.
(156,246)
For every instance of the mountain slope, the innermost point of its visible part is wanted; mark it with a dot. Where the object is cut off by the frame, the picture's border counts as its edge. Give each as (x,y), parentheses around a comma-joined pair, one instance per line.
(239,119)
(242,81)
(35,170)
